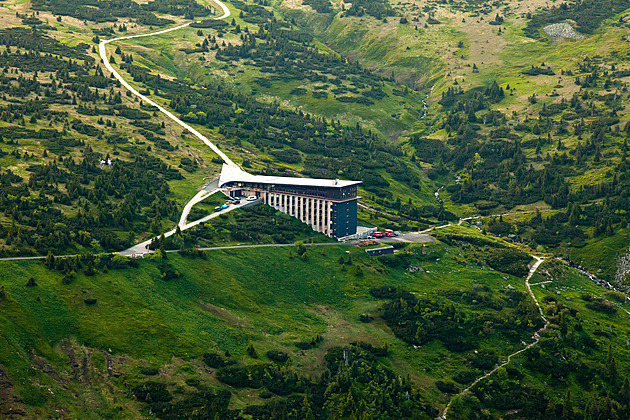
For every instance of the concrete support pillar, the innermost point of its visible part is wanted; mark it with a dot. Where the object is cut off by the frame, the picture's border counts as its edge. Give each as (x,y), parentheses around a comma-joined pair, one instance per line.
(329,218)
(320,212)
(324,221)
(311,213)
(325,218)
(322,215)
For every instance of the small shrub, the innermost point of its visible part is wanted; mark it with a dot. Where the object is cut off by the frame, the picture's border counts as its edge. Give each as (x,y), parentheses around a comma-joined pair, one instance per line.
(306,345)
(194,382)
(616,296)
(484,360)
(365,318)
(149,371)
(214,360)
(465,376)
(277,356)
(447,387)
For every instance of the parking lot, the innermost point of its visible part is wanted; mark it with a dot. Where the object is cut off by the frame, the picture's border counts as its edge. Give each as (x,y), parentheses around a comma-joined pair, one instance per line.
(414,237)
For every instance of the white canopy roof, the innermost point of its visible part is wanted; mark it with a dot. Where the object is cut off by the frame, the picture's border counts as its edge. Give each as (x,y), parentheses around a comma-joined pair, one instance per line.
(234,174)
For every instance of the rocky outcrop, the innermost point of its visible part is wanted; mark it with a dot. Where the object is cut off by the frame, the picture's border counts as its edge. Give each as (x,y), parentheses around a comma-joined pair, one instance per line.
(562,30)
(623,269)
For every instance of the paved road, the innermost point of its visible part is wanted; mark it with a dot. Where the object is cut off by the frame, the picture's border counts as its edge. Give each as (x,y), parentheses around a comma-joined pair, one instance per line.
(143,247)
(218,248)
(213,248)
(536,338)
(37,257)
(409,237)
(103,54)
(209,189)
(183,224)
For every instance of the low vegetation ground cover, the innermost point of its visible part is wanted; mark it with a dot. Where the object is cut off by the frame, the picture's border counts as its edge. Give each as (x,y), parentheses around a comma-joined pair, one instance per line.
(243,304)
(407,97)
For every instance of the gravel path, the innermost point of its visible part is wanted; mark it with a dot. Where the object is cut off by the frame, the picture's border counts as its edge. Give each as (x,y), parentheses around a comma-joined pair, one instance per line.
(536,338)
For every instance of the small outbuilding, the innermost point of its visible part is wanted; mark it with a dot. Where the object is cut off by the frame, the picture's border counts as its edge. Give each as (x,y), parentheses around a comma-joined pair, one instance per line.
(377,252)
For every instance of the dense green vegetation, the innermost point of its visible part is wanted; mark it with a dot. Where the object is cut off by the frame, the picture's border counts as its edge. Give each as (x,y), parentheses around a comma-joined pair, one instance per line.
(377,8)
(419,321)
(111,11)
(442,109)
(124,196)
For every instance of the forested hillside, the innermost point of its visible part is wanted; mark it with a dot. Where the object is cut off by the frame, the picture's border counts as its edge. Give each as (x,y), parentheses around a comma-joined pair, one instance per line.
(500,128)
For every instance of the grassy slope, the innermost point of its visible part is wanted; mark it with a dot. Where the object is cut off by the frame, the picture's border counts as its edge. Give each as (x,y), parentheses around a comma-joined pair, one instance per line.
(232,299)
(235,297)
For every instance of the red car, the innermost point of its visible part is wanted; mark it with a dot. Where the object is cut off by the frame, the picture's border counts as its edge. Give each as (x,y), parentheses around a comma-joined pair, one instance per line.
(377,234)
(389,232)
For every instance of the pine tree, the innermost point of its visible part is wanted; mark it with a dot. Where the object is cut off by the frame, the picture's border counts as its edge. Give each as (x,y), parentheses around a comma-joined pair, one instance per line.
(611,366)
(50,260)
(307,411)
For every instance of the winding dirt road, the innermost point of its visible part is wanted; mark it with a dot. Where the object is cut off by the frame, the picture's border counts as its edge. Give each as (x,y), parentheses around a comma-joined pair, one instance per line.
(103,53)
(183,224)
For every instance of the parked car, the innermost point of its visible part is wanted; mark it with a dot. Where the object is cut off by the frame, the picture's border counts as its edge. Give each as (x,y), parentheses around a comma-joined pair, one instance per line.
(217,208)
(377,234)
(252,198)
(225,206)
(237,201)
